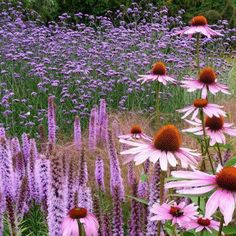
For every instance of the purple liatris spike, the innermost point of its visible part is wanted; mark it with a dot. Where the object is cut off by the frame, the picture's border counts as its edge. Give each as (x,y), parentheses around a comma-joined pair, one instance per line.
(130,173)
(115,172)
(117,213)
(153,197)
(135,226)
(106,226)
(93,123)
(56,198)
(2,209)
(51,121)
(226,156)
(25,148)
(77,133)
(11,214)
(85,198)
(143,189)
(6,170)
(99,173)
(103,120)
(83,170)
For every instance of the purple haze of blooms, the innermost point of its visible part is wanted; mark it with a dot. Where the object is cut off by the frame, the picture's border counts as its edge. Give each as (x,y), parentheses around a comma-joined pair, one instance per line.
(93,124)
(117,213)
(99,173)
(25,148)
(135,226)
(77,133)
(153,198)
(56,197)
(51,120)
(115,172)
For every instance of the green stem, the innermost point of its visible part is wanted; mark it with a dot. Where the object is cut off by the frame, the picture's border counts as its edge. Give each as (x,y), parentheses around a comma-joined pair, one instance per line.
(162,192)
(158,103)
(221,226)
(219,154)
(80,229)
(197,52)
(205,140)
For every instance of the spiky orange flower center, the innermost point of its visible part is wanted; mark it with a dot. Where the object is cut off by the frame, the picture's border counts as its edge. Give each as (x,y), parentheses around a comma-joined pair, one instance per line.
(135,129)
(199,21)
(207,75)
(168,139)
(200,103)
(176,211)
(159,68)
(77,213)
(226,178)
(203,222)
(214,123)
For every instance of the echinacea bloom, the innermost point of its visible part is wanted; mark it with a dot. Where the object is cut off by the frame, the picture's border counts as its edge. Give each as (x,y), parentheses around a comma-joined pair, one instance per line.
(159,73)
(135,133)
(200,25)
(215,128)
(76,216)
(203,223)
(223,185)
(165,147)
(177,213)
(206,82)
(208,108)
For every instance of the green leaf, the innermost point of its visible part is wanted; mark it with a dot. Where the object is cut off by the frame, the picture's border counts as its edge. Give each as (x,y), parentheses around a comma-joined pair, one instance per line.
(226,146)
(188,234)
(141,200)
(230,230)
(143,177)
(231,162)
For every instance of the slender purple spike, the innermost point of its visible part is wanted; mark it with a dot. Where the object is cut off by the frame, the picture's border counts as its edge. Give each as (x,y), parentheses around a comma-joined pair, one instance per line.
(142,189)
(117,213)
(135,224)
(115,172)
(116,128)
(72,183)
(2,209)
(103,119)
(227,155)
(146,166)
(25,148)
(85,198)
(93,123)
(77,133)
(51,121)
(130,173)
(99,173)
(106,226)
(11,214)
(97,212)
(83,170)
(153,197)
(56,198)
(6,169)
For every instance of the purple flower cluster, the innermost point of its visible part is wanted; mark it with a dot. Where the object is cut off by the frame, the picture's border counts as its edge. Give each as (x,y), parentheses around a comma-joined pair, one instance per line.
(79,63)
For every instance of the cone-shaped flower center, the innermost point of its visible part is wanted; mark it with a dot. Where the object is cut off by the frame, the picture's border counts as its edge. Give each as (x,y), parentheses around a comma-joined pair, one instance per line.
(159,68)
(207,75)
(199,21)
(200,103)
(77,213)
(176,211)
(226,178)
(135,129)
(168,139)
(214,123)
(203,221)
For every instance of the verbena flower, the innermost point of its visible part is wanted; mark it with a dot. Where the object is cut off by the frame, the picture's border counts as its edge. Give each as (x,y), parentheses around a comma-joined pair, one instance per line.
(177,213)
(135,133)
(222,185)
(203,223)
(159,73)
(206,82)
(200,25)
(70,225)
(165,148)
(208,108)
(215,128)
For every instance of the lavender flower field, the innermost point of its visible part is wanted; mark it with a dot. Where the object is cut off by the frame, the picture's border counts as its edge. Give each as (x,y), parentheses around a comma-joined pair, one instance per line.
(115,125)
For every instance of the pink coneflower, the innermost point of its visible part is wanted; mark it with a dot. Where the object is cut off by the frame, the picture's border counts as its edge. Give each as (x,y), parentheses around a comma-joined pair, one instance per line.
(165,147)
(159,73)
(223,183)
(203,223)
(208,108)
(70,225)
(215,128)
(199,25)
(206,82)
(177,213)
(135,133)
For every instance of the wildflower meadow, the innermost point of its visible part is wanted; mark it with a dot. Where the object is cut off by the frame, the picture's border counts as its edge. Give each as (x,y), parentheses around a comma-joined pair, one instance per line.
(115,125)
